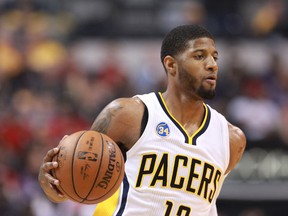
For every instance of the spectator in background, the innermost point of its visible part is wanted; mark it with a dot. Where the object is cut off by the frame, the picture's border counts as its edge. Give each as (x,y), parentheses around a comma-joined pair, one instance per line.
(256,113)
(269,18)
(276,82)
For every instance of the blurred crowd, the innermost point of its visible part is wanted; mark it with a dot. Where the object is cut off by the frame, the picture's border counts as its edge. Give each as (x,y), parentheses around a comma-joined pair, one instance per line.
(59,67)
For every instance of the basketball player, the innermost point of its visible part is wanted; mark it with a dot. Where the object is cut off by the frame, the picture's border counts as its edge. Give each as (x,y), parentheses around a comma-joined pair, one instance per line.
(178,149)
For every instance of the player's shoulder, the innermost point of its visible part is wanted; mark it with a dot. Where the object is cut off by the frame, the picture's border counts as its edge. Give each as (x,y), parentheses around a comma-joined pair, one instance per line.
(127,102)
(236,134)
(120,117)
(131,106)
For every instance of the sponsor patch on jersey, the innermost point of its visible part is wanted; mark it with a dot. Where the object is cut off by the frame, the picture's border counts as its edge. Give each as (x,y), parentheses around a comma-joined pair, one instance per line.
(163,129)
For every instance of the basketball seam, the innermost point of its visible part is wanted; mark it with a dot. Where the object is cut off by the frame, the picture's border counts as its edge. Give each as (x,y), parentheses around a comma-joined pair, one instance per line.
(96,177)
(72,165)
(59,186)
(55,175)
(115,181)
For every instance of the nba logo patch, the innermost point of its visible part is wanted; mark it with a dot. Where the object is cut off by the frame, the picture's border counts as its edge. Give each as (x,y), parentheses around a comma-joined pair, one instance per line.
(163,129)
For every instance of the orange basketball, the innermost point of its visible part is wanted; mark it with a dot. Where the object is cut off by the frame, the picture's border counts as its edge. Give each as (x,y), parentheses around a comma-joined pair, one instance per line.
(91,167)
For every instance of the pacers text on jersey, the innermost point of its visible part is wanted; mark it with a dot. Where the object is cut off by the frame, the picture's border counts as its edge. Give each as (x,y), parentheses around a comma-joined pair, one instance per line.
(202,178)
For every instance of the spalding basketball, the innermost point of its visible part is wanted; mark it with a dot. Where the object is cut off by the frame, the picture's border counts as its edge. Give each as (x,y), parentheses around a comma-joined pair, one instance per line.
(91,167)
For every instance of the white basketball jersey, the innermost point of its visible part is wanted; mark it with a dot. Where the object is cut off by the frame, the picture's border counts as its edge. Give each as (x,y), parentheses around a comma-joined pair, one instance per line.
(167,171)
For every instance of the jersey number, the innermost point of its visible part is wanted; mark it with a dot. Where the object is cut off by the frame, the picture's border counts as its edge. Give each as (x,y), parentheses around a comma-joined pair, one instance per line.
(163,131)
(185,210)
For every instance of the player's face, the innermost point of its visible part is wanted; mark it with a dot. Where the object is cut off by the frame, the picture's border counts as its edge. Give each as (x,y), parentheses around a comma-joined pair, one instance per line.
(197,68)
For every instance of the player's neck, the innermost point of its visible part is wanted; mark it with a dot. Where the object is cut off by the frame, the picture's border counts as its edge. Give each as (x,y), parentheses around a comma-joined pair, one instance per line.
(183,108)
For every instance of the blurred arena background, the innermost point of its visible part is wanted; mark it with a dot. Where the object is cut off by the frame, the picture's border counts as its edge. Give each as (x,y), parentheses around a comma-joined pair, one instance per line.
(62,61)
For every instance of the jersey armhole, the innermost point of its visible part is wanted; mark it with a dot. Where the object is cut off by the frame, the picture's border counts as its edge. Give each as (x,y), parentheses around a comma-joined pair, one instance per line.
(144,120)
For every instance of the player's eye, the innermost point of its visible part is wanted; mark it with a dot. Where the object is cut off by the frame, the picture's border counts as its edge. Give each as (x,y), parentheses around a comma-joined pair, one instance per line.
(199,57)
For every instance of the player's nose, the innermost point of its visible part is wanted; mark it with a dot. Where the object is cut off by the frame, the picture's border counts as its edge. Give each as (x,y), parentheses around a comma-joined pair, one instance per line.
(211,64)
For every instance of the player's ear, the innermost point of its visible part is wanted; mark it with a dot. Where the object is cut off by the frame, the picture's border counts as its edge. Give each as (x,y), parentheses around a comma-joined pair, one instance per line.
(170,65)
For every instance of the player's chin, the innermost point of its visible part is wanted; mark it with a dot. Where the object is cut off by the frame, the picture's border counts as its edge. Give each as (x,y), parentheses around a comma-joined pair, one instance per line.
(207,93)
(210,86)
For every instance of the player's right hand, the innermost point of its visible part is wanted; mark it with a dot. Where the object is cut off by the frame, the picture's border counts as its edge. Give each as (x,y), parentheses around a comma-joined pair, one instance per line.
(47,182)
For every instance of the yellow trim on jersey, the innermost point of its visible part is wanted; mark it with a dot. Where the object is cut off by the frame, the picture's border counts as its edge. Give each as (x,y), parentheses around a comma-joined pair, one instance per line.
(107,207)
(190,138)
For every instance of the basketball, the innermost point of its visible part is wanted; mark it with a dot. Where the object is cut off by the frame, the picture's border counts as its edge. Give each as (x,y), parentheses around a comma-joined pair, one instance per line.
(91,167)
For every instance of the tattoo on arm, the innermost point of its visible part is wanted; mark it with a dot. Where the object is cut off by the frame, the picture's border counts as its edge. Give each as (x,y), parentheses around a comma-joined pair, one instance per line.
(103,121)
(102,124)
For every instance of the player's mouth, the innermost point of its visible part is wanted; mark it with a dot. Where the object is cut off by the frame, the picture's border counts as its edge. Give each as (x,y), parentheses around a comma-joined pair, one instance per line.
(211,79)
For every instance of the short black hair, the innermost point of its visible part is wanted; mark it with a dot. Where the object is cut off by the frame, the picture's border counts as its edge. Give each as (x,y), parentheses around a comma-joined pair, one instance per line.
(177,39)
